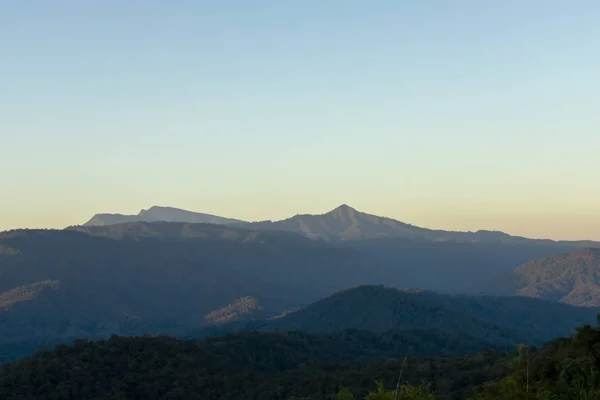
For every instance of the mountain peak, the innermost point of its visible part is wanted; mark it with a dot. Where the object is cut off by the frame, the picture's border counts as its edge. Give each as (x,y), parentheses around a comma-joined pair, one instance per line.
(344,208)
(344,213)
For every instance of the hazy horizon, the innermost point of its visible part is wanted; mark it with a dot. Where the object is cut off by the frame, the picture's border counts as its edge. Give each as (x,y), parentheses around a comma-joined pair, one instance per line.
(456,116)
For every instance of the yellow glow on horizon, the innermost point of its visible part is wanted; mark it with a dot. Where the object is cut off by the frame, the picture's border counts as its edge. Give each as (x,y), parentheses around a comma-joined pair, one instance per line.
(579,224)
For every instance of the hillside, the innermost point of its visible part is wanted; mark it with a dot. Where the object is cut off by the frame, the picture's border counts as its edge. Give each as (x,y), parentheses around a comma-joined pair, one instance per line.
(571,278)
(449,266)
(244,366)
(156,213)
(445,266)
(566,368)
(293,366)
(502,321)
(174,278)
(450,262)
(62,284)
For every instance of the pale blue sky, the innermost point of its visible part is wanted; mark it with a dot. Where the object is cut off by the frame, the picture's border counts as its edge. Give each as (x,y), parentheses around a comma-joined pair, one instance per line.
(462,114)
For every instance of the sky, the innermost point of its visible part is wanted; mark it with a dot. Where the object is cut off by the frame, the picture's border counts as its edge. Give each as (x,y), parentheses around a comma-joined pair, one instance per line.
(460,115)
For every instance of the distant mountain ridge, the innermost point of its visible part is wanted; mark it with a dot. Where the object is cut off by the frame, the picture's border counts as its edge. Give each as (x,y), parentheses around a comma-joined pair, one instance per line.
(343,223)
(160,214)
(446,266)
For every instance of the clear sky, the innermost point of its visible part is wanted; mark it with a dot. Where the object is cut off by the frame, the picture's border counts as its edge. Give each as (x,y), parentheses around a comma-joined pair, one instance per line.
(463,114)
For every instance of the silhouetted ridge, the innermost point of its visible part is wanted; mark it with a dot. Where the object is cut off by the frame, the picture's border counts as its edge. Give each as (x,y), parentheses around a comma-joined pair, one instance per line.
(158,213)
(253,366)
(340,224)
(345,223)
(506,321)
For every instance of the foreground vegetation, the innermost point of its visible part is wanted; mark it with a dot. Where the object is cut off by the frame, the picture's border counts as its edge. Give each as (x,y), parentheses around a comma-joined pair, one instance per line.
(567,368)
(245,366)
(298,366)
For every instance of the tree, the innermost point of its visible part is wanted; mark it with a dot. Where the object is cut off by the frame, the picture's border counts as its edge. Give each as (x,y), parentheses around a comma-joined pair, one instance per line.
(345,394)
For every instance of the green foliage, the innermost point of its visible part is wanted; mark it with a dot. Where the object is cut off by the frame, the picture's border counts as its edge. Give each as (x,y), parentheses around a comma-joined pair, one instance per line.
(246,366)
(381,393)
(345,394)
(404,392)
(409,392)
(351,346)
(564,369)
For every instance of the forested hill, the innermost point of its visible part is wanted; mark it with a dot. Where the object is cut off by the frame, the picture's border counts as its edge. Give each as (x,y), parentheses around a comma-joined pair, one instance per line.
(257,366)
(500,320)
(293,366)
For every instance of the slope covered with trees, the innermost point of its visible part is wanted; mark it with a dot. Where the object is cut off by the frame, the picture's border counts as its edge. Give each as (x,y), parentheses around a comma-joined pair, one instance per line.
(571,278)
(176,278)
(300,366)
(432,259)
(65,284)
(566,368)
(499,320)
(247,366)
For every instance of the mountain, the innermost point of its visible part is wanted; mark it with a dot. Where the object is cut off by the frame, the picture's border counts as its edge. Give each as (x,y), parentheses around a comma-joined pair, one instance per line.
(498,320)
(173,278)
(571,278)
(165,214)
(162,278)
(445,266)
(438,260)
(346,223)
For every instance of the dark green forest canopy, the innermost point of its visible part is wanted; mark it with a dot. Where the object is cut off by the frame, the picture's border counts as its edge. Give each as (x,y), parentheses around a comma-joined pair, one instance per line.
(346,346)
(294,366)
(455,324)
(566,368)
(250,365)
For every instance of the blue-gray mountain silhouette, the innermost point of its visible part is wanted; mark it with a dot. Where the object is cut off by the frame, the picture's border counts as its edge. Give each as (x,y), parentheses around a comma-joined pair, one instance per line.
(160,214)
(343,223)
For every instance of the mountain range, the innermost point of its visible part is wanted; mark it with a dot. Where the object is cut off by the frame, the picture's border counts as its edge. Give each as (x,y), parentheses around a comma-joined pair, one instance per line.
(177,277)
(446,266)
(341,223)
(376,316)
